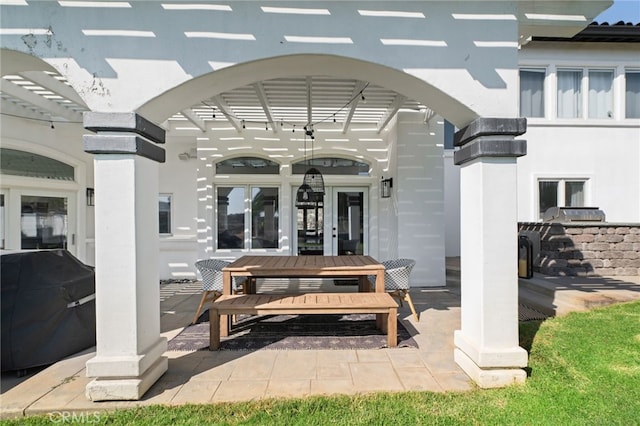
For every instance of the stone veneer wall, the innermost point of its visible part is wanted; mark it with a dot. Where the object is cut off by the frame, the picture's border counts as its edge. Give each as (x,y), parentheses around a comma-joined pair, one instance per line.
(579,249)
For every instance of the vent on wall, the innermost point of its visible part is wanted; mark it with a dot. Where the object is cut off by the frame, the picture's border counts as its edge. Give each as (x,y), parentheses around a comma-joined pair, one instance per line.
(187,155)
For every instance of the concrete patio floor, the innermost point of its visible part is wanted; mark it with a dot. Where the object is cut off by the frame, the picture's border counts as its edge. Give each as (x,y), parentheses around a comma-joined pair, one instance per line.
(224,376)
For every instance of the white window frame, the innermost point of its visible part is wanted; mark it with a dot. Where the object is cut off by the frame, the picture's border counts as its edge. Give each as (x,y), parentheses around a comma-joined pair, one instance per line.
(586,74)
(170,233)
(545,89)
(560,201)
(624,92)
(247,215)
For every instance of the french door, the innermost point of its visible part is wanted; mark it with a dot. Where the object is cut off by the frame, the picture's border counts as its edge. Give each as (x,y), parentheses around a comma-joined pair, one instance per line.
(337,227)
(34,219)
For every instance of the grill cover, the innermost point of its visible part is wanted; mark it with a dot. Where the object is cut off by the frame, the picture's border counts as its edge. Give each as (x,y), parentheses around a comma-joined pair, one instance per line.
(48,308)
(573,214)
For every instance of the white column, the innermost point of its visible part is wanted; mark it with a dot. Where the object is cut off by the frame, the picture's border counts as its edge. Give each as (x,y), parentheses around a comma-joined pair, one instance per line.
(129,349)
(487,345)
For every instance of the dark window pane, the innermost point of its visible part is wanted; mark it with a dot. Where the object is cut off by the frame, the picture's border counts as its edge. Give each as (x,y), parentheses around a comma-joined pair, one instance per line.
(574,194)
(164,214)
(20,163)
(548,191)
(247,165)
(532,93)
(231,205)
(264,218)
(43,222)
(332,166)
(632,94)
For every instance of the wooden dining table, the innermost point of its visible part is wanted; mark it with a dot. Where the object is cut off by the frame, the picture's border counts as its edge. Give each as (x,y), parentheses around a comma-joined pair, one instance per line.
(253,267)
(304,267)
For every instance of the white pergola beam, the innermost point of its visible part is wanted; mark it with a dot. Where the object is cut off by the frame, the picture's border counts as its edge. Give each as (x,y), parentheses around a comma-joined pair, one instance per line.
(309,101)
(391,111)
(224,109)
(359,87)
(262,97)
(26,95)
(11,108)
(55,85)
(193,118)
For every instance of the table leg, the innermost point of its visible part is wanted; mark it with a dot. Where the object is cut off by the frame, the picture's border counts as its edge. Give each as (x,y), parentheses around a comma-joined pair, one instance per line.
(226,290)
(214,329)
(380,281)
(392,328)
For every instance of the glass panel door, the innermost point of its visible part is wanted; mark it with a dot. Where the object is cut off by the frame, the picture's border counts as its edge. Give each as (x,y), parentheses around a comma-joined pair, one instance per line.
(310,225)
(343,218)
(3,222)
(43,222)
(349,225)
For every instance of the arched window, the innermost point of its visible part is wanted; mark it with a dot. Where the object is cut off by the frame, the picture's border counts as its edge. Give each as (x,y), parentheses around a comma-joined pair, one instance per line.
(247,166)
(21,163)
(332,166)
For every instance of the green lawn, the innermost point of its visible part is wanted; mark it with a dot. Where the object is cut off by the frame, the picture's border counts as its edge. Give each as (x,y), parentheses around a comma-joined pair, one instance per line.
(584,370)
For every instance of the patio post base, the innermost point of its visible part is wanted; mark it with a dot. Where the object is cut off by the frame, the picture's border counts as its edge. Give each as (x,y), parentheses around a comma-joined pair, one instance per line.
(489,377)
(126,388)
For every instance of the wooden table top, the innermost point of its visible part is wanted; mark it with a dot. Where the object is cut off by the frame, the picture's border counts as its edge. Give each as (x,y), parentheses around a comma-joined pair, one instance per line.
(301,266)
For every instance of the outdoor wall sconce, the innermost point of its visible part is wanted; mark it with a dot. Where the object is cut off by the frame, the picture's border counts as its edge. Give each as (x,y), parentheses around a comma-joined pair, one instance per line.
(90,193)
(385,187)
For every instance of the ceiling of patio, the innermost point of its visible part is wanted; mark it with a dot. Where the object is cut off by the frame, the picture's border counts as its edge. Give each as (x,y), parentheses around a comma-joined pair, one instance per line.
(282,103)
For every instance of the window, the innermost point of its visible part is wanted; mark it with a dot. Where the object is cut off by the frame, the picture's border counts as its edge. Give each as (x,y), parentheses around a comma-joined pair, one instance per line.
(164,213)
(600,93)
(43,222)
(21,163)
(2,221)
(560,193)
(247,165)
(264,217)
(632,94)
(235,211)
(332,166)
(569,93)
(532,93)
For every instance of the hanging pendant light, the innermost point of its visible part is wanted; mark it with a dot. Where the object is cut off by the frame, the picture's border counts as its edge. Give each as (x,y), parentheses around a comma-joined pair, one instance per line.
(313,177)
(305,197)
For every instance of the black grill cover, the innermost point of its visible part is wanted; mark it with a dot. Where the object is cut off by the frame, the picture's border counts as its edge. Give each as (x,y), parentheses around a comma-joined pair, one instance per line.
(48,308)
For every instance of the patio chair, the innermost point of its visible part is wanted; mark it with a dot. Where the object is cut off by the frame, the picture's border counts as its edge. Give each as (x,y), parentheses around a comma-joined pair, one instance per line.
(211,271)
(396,280)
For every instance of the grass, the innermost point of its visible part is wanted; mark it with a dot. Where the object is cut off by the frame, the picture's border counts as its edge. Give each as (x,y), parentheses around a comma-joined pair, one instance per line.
(584,370)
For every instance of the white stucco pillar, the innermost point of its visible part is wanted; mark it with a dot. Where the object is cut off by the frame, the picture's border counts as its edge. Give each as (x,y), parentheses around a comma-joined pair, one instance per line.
(487,345)
(129,350)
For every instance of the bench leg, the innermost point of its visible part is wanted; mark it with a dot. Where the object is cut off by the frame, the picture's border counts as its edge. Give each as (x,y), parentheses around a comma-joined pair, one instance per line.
(214,329)
(224,325)
(392,328)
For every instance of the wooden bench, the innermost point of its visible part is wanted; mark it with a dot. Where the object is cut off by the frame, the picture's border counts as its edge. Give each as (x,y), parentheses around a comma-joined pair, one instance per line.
(381,304)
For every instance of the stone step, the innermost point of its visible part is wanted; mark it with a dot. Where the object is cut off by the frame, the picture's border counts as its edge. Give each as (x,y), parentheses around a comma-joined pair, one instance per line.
(561,298)
(548,305)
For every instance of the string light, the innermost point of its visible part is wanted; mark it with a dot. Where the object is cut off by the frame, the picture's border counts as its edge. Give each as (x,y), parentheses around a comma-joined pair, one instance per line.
(331,116)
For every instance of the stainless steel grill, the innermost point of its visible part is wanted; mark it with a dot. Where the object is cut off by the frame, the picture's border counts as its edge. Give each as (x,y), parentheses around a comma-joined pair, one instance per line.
(573,214)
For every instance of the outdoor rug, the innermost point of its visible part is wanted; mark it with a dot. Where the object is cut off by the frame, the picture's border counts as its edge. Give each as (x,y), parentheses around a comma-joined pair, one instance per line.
(293,332)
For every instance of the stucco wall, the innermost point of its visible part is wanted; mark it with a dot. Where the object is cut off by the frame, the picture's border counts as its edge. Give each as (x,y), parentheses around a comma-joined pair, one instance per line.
(118,59)
(420,187)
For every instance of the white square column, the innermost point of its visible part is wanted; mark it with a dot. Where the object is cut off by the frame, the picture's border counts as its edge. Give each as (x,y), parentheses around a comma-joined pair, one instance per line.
(487,345)
(129,349)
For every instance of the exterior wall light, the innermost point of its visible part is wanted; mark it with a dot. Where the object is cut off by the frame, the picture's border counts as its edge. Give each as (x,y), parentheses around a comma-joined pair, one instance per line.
(90,194)
(385,187)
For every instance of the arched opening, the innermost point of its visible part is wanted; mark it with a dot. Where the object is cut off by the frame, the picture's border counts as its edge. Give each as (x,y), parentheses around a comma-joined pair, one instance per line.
(225,79)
